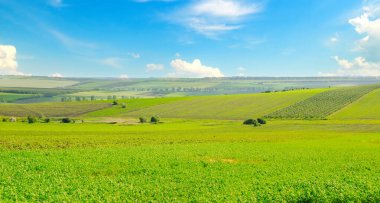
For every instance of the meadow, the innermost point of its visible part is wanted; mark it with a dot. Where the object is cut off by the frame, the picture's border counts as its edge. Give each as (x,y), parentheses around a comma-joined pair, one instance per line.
(191,160)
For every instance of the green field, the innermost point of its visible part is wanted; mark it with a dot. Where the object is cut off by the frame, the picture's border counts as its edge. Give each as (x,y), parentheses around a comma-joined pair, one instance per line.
(368,107)
(189,160)
(12,97)
(324,104)
(58,109)
(212,107)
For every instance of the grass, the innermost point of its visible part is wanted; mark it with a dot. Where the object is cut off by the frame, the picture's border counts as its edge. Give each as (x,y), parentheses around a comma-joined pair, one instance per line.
(210,107)
(324,104)
(190,160)
(57,109)
(366,107)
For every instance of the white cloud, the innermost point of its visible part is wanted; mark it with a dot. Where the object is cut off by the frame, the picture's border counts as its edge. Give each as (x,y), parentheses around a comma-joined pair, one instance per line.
(8,62)
(56,75)
(334,39)
(124,76)
(368,47)
(213,17)
(357,67)
(194,69)
(114,62)
(154,67)
(134,55)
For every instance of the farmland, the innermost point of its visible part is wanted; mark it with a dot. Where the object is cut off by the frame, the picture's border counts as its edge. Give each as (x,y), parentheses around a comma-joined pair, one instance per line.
(322,105)
(216,107)
(323,147)
(190,161)
(368,107)
(50,109)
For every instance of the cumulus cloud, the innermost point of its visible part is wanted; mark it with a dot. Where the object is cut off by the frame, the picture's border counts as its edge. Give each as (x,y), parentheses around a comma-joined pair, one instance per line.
(241,71)
(357,67)
(8,62)
(212,17)
(367,63)
(56,75)
(195,69)
(154,67)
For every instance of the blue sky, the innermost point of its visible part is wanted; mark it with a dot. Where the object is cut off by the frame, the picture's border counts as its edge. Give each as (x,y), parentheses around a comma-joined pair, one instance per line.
(192,38)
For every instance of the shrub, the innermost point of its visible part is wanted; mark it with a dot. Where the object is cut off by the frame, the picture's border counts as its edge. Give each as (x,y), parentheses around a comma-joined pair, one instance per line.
(31,119)
(155,119)
(124,105)
(47,120)
(262,121)
(255,123)
(66,120)
(142,120)
(115,103)
(4,120)
(248,122)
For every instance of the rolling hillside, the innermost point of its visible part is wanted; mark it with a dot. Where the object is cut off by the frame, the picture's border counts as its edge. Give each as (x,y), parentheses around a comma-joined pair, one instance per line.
(211,107)
(367,107)
(324,104)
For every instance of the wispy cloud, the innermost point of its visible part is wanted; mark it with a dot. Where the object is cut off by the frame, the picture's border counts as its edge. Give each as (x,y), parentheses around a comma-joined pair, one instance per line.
(56,3)
(213,17)
(114,62)
(70,42)
(134,55)
(154,67)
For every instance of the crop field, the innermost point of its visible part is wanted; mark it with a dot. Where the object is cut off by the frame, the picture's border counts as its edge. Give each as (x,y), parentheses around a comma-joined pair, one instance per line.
(212,107)
(322,105)
(51,109)
(12,97)
(191,160)
(34,82)
(367,107)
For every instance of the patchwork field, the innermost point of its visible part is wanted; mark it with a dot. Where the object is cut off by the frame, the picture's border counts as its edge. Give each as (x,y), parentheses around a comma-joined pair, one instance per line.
(212,107)
(190,160)
(199,152)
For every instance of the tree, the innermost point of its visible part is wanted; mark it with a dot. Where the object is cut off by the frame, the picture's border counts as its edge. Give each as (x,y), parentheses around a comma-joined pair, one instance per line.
(155,119)
(66,120)
(249,122)
(31,119)
(47,120)
(261,121)
(142,120)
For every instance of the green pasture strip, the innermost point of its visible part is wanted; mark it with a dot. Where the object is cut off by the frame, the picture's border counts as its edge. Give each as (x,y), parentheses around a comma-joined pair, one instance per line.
(323,104)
